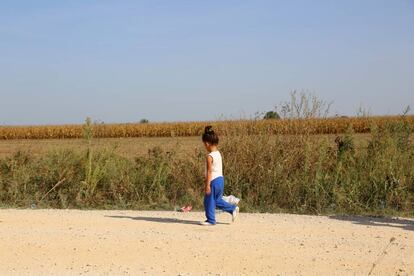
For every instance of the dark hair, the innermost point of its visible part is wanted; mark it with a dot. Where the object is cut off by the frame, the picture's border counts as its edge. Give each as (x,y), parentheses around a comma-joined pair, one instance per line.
(210,136)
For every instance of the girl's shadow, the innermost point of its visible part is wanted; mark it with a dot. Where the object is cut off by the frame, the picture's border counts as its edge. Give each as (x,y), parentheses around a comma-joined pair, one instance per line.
(161,220)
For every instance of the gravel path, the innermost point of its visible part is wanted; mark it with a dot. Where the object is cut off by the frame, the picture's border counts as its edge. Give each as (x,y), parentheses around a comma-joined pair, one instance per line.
(74,242)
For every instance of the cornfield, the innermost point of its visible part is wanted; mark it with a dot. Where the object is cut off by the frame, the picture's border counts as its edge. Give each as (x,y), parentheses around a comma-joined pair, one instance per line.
(285,126)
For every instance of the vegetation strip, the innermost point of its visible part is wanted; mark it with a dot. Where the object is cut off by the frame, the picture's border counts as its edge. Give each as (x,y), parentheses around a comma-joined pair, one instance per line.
(270,173)
(252,127)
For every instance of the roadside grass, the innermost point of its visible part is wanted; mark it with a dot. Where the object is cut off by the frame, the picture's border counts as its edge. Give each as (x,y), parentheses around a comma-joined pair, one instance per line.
(271,173)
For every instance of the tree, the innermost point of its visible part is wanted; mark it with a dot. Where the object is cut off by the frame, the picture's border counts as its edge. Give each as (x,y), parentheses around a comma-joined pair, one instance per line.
(271,115)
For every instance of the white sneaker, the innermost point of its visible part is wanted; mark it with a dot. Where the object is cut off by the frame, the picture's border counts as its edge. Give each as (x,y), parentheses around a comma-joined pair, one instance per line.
(235,214)
(206,223)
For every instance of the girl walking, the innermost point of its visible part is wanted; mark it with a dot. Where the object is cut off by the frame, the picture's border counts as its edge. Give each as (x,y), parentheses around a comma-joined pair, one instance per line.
(214,183)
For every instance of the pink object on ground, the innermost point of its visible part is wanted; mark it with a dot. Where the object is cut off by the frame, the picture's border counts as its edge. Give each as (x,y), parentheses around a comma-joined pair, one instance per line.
(186,209)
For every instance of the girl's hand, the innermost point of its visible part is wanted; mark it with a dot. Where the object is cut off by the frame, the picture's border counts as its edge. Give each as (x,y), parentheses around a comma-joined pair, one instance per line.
(208,190)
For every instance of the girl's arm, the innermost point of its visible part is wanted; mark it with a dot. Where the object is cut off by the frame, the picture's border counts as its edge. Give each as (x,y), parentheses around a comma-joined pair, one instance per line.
(207,187)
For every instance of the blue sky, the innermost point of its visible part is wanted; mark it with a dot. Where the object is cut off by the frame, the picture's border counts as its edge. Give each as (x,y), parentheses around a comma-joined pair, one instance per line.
(120,61)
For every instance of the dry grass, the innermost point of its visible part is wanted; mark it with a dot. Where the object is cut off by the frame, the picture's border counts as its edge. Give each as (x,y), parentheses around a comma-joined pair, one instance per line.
(305,173)
(130,147)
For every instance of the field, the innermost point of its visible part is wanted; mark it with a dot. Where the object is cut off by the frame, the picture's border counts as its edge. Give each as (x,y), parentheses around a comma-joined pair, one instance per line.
(126,147)
(350,172)
(131,147)
(69,242)
(251,127)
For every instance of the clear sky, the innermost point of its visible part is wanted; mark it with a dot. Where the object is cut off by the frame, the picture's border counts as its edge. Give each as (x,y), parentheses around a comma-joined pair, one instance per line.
(120,61)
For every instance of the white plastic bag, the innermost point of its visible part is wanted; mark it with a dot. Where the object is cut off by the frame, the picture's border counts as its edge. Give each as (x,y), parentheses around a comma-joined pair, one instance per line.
(231,199)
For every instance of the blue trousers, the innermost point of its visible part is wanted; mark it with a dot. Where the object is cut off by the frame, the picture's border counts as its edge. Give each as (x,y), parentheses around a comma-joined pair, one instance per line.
(214,200)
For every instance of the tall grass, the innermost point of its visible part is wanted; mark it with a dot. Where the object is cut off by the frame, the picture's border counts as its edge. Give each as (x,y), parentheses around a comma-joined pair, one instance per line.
(295,173)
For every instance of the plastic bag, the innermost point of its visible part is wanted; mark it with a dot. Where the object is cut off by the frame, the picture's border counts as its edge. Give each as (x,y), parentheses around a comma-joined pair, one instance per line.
(231,199)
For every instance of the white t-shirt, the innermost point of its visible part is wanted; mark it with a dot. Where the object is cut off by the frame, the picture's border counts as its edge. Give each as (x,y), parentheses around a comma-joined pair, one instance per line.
(217,166)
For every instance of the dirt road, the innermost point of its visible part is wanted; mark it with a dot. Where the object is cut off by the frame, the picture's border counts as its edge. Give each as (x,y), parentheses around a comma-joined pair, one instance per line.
(73,242)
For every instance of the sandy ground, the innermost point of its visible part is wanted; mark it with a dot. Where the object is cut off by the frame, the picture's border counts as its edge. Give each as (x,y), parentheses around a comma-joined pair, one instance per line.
(73,242)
